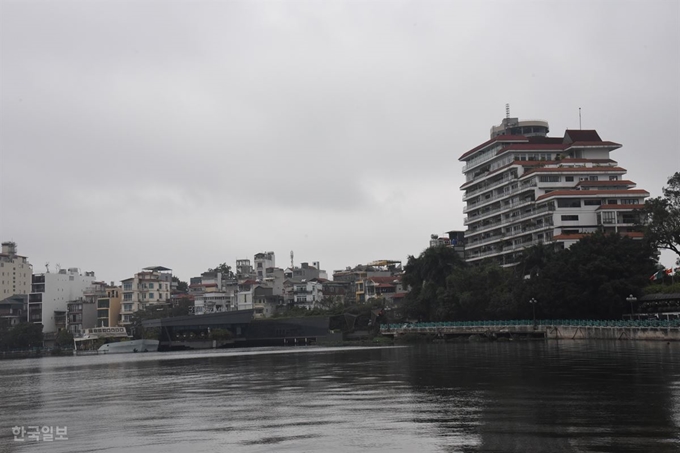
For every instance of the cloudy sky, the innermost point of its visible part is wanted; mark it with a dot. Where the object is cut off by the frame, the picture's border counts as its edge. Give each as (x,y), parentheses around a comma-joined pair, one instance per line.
(185,134)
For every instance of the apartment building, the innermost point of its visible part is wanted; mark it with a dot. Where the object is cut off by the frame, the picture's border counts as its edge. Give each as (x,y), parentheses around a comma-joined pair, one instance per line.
(15,272)
(524,188)
(50,294)
(151,286)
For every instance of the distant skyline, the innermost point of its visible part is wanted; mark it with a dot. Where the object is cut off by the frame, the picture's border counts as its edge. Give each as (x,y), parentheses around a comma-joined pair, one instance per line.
(187,134)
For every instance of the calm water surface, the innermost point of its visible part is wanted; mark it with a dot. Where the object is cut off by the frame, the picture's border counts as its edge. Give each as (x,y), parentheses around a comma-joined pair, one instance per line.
(495,397)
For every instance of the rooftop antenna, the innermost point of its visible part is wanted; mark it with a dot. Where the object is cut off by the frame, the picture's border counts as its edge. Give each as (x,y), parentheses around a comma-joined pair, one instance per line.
(579,117)
(507,110)
(47,267)
(291,260)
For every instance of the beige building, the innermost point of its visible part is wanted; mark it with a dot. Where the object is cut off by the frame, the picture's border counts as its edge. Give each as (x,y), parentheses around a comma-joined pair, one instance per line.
(152,286)
(15,272)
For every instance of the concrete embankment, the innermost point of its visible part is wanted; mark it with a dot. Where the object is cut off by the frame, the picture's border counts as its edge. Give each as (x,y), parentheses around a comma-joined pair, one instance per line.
(613,333)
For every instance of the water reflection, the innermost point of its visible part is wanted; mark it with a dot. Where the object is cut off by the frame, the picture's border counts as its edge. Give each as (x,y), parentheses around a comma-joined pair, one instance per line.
(568,396)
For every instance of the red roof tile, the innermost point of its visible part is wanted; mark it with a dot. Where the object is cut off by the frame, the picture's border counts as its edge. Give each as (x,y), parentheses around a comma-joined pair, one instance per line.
(589,193)
(573,170)
(620,207)
(622,182)
(599,144)
(501,138)
(574,135)
(562,237)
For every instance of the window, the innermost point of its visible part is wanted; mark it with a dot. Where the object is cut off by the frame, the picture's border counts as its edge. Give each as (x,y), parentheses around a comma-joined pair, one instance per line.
(127,296)
(592,178)
(569,218)
(613,201)
(549,178)
(608,217)
(150,285)
(629,201)
(150,295)
(592,202)
(569,178)
(103,303)
(614,178)
(127,307)
(103,313)
(569,203)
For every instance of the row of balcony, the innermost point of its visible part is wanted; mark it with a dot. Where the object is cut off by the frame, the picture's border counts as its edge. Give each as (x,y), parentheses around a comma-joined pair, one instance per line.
(507,193)
(503,180)
(505,207)
(506,236)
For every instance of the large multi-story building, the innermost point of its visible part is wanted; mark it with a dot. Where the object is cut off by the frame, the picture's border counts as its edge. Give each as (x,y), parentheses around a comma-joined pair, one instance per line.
(50,294)
(264,261)
(15,272)
(523,188)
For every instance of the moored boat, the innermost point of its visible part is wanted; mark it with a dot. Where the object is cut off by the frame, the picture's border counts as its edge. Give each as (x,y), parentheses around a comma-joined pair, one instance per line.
(106,340)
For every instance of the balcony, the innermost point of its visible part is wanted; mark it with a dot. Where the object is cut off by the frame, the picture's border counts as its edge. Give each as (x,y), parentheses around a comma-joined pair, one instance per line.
(499,196)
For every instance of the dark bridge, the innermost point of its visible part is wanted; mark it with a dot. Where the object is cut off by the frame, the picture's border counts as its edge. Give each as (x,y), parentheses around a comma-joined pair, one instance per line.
(193,331)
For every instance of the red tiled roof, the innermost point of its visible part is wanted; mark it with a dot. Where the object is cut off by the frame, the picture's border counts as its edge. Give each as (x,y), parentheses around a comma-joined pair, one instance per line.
(576,135)
(572,170)
(531,146)
(248,282)
(501,138)
(620,207)
(384,279)
(399,295)
(599,144)
(384,285)
(586,193)
(623,182)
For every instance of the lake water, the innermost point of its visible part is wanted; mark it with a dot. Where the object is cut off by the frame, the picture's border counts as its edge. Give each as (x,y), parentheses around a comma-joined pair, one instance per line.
(493,397)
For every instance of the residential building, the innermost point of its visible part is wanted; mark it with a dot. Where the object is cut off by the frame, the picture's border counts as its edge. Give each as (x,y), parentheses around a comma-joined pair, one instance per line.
(151,286)
(51,293)
(108,306)
(524,188)
(389,289)
(264,261)
(15,272)
(306,293)
(13,310)
(244,270)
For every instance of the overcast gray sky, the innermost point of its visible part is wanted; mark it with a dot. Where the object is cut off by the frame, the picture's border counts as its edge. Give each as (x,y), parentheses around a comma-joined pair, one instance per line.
(185,134)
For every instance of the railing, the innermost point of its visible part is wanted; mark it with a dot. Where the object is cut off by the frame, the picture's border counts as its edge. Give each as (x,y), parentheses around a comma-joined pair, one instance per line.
(499,196)
(429,326)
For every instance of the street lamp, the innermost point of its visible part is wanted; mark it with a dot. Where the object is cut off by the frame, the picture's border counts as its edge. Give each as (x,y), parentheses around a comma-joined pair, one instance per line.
(631,299)
(533,302)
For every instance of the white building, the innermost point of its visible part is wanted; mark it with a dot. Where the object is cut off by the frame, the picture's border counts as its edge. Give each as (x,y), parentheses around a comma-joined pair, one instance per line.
(264,261)
(51,293)
(15,272)
(308,293)
(523,188)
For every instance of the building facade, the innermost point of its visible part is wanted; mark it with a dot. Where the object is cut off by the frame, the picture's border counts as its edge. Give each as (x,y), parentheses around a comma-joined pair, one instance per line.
(16,272)
(151,286)
(50,294)
(524,188)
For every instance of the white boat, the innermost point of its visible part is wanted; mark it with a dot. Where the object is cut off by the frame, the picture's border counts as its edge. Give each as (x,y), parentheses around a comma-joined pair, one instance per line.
(108,340)
(129,346)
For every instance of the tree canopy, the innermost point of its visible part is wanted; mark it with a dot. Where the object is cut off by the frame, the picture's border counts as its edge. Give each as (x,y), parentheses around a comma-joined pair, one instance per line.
(661,217)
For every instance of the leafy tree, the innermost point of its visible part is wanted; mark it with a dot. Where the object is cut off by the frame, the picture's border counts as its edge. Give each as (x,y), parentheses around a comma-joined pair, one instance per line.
(64,339)
(661,217)
(430,297)
(482,292)
(590,279)
(25,335)
(223,269)
(182,287)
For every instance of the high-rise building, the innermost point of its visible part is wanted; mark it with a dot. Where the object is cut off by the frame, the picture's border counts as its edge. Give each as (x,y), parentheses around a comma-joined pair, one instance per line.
(523,188)
(15,272)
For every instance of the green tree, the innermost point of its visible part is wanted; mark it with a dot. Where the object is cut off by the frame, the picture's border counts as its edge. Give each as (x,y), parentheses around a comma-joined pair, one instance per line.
(182,287)
(64,339)
(660,219)
(223,269)
(25,335)
(430,297)
(590,279)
